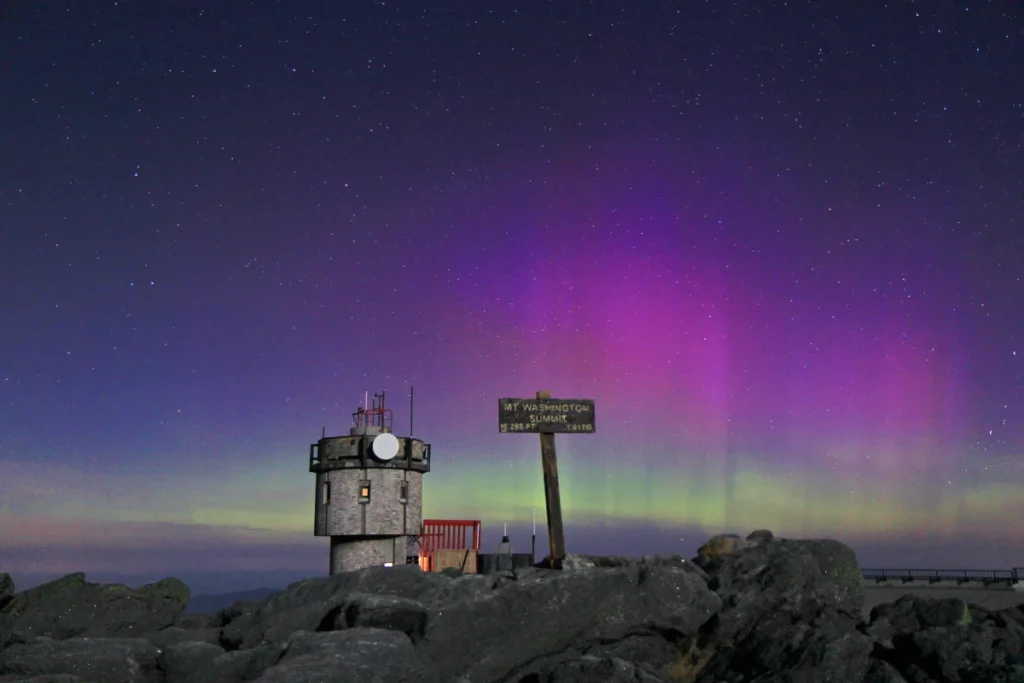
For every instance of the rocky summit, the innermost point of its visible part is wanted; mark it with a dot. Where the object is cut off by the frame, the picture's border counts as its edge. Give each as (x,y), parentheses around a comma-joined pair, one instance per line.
(754,609)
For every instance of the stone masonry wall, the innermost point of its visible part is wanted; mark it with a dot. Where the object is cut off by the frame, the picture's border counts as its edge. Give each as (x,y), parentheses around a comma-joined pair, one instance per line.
(383,515)
(414,508)
(351,554)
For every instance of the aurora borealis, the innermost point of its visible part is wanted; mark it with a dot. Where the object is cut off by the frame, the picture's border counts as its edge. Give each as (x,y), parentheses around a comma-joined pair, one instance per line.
(779,244)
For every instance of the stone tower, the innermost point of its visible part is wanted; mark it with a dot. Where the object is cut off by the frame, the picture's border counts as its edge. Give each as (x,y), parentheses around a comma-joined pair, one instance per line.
(369,490)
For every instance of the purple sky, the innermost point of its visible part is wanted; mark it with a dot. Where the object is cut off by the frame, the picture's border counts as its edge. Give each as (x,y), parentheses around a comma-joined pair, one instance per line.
(779,244)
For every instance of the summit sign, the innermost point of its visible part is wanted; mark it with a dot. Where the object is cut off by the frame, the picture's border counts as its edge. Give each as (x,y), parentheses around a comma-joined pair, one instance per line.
(545,415)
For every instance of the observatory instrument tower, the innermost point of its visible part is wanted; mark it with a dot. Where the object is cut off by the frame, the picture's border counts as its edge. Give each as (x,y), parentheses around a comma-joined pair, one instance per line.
(369,490)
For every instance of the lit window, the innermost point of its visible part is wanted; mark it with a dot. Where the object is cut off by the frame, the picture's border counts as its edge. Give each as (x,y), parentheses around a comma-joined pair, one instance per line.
(364,491)
(327,493)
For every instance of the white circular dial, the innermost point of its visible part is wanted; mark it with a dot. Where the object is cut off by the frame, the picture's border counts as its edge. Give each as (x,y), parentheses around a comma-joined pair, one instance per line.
(385,446)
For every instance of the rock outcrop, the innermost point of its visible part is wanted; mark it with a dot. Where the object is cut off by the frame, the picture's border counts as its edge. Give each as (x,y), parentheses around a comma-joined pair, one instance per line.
(6,589)
(746,609)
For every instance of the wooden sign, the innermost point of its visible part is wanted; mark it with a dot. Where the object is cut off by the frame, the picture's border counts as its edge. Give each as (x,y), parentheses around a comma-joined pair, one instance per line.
(546,415)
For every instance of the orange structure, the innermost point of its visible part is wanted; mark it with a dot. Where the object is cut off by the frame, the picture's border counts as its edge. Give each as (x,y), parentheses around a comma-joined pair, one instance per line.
(448,534)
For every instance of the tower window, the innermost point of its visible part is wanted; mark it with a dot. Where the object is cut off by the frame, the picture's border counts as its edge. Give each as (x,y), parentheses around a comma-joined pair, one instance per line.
(364,491)
(326,496)
(403,493)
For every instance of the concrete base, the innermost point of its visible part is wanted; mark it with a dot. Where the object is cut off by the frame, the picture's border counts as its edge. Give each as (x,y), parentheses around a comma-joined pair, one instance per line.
(349,553)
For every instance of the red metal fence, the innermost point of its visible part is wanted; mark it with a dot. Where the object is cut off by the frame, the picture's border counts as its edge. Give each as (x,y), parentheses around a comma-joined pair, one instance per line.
(447,534)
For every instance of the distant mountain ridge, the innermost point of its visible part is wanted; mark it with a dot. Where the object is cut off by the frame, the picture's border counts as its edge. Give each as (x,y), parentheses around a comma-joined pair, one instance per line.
(200,583)
(202,604)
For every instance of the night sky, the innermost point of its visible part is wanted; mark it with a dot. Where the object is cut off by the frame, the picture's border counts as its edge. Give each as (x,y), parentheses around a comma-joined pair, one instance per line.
(780,244)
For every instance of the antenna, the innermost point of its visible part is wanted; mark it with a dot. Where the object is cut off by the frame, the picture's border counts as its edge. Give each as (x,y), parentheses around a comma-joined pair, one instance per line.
(533,539)
(410,409)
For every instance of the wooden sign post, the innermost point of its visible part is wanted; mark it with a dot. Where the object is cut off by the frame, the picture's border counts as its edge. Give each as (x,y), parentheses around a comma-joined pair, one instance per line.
(547,416)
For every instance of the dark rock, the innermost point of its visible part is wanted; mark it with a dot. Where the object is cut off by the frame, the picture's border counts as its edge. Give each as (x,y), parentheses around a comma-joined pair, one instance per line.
(182,660)
(465,587)
(1011,619)
(760,536)
(358,654)
(7,635)
(304,605)
(6,589)
(70,607)
(717,546)
(199,621)
(790,606)
(588,669)
(793,573)
(881,671)
(605,561)
(949,651)
(572,561)
(105,660)
(948,640)
(910,614)
(541,616)
(380,611)
(173,635)
(47,678)
(236,667)
(757,609)
(1013,673)
(653,649)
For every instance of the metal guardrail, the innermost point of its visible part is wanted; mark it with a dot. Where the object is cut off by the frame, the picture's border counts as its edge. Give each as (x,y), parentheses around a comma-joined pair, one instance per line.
(961,576)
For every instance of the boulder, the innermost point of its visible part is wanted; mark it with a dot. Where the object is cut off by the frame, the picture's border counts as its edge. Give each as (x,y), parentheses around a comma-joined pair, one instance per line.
(70,607)
(6,589)
(587,561)
(234,667)
(754,609)
(173,635)
(523,626)
(571,561)
(587,669)
(883,672)
(379,611)
(180,661)
(722,544)
(7,636)
(657,652)
(201,621)
(358,654)
(789,606)
(948,640)
(1011,619)
(304,605)
(104,660)
(54,678)
(910,614)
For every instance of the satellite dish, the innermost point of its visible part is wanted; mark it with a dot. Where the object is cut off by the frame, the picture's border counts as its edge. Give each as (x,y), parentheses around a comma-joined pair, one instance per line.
(385,446)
